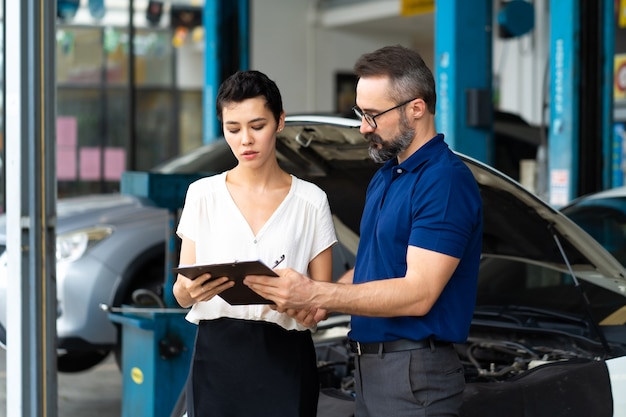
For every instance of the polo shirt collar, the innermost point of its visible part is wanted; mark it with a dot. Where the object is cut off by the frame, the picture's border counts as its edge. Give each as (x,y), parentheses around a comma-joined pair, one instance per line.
(423,154)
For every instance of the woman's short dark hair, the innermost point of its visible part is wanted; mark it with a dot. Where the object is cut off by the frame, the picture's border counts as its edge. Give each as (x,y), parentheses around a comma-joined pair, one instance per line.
(409,75)
(244,85)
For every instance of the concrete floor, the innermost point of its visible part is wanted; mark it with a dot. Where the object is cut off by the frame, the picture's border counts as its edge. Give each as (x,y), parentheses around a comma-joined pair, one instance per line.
(94,393)
(98,393)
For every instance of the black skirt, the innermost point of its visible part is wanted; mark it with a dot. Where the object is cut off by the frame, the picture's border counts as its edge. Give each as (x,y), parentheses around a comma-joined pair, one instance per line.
(252,368)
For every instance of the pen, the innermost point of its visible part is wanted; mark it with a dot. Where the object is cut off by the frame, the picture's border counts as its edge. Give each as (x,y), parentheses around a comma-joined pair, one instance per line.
(278,261)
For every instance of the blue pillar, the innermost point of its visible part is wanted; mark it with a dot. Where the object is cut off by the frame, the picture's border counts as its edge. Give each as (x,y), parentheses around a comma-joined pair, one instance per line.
(226,26)
(463,71)
(564,104)
(212,64)
(244,31)
(609,141)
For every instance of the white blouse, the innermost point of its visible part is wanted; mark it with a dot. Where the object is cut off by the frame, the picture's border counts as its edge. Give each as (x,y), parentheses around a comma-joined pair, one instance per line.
(299,229)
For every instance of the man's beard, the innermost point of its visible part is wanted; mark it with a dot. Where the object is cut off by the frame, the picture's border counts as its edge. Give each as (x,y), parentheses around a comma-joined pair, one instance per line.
(381,151)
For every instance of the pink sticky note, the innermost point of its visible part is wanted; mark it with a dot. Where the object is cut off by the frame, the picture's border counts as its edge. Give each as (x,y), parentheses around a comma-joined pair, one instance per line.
(114,163)
(90,163)
(66,164)
(67,131)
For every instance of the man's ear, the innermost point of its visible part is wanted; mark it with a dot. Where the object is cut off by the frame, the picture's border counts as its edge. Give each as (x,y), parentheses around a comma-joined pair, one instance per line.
(418,107)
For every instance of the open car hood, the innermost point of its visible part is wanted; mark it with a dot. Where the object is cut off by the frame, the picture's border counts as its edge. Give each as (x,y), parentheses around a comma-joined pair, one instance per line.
(331,152)
(517,224)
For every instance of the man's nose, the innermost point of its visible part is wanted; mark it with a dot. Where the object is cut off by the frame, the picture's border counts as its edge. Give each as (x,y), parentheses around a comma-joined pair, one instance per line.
(365,127)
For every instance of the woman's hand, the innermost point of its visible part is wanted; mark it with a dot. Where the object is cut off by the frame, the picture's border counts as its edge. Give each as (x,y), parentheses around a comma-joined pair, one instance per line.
(203,288)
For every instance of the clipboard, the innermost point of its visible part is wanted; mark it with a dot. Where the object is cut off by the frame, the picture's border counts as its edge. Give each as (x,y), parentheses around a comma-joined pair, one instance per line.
(239,294)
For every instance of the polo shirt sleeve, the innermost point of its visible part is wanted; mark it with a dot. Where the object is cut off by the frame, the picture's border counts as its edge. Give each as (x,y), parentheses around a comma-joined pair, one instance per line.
(446,207)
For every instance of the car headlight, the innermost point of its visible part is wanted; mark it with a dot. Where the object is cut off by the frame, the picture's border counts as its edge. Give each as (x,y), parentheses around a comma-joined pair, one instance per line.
(73,245)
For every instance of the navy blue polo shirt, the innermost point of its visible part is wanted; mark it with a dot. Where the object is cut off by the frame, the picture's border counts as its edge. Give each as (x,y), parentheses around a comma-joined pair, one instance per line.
(431,201)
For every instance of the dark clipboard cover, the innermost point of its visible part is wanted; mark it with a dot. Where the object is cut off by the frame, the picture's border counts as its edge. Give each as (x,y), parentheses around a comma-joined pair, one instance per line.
(240,294)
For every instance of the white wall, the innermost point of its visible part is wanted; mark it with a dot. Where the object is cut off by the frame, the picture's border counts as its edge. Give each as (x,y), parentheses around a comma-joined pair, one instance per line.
(520,64)
(278,36)
(291,48)
(190,66)
(331,60)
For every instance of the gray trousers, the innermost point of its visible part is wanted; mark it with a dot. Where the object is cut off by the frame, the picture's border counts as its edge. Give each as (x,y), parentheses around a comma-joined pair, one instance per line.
(414,383)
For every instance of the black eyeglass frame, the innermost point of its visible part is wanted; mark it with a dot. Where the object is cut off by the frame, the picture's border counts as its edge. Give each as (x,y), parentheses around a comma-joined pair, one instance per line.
(371,118)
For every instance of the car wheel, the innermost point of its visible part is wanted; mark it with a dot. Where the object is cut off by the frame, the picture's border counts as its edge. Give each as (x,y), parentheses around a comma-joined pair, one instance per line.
(78,361)
(146,291)
(117,350)
(141,298)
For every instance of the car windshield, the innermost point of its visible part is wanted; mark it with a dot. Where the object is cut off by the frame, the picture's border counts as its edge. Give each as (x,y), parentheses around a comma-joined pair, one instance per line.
(605,220)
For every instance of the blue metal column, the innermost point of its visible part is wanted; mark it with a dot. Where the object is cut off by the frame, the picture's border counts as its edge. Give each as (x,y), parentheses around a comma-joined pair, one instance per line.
(226,26)
(563,150)
(156,351)
(157,343)
(244,30)
(463,71)
(212,64)
(608,141)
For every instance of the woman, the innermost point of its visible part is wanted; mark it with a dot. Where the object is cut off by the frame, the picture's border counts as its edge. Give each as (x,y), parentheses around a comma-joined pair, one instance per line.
(251,360)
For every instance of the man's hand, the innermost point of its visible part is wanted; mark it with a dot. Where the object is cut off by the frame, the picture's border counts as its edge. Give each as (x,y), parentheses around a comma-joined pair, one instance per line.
(308,318)
(290,291)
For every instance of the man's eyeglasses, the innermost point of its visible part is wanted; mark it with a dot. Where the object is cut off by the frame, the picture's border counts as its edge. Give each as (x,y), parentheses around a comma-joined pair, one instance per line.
(371,118)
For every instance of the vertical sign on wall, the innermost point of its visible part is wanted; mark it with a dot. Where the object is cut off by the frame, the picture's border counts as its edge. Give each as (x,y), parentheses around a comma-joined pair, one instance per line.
(616,147)
(621,13)
(564,75)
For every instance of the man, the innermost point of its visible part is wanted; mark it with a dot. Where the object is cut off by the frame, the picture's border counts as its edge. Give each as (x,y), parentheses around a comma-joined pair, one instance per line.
(412,291)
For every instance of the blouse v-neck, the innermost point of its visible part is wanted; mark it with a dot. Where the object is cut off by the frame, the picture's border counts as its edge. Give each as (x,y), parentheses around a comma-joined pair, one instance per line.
(273,216)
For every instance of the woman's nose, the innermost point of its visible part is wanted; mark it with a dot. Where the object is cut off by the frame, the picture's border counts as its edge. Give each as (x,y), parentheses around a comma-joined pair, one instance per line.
(246,138)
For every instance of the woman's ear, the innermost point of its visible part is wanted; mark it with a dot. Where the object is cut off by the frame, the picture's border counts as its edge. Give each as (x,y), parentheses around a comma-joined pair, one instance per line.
(281,122)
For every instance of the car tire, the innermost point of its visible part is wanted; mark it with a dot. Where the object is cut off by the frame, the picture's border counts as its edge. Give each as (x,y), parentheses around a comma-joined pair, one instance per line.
(3,337)
(117,351)
(78,361)
(145,291)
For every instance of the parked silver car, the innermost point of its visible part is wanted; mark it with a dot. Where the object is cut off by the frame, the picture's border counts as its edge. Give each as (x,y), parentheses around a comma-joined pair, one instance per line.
(549,304)
(111,248)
